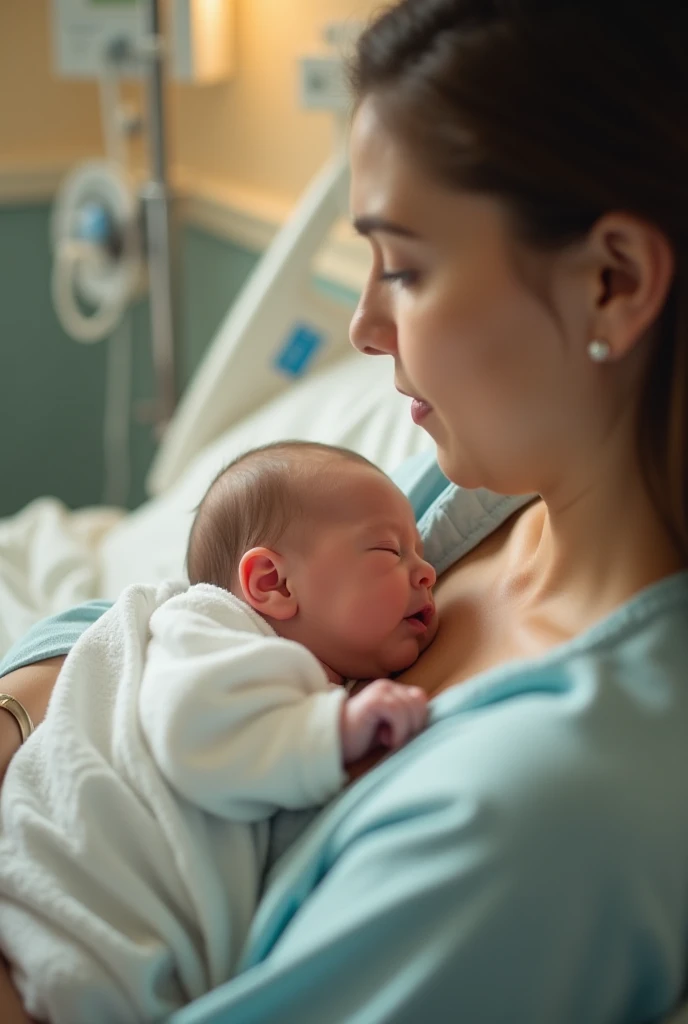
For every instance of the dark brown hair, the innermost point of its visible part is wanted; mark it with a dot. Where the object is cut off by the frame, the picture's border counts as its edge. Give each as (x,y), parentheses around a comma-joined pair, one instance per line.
(252,502)
(564,110)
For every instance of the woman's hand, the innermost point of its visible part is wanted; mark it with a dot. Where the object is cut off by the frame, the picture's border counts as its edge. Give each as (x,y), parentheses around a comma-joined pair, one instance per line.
(32,686)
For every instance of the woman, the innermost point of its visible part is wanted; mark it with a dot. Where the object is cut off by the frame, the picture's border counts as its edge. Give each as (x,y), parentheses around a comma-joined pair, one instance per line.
(520,171)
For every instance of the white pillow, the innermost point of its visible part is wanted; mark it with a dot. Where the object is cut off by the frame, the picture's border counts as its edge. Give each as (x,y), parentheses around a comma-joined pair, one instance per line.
(351,403)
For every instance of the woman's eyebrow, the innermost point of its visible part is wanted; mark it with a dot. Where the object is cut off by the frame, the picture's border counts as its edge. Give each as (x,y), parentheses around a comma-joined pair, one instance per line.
(367,224)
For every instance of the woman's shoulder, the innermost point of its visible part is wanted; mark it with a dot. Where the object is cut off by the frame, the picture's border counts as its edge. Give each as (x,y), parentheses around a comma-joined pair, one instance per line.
(618,685)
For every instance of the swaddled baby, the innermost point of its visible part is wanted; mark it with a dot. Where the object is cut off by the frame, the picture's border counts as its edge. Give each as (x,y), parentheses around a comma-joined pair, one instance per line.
(135,820)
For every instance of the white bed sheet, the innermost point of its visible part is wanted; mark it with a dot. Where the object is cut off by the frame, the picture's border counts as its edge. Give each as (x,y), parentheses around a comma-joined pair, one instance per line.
(49,561)
(51,558)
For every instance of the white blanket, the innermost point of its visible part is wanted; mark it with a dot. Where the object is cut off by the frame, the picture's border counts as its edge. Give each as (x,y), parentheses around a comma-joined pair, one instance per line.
(49,561)
(120,899)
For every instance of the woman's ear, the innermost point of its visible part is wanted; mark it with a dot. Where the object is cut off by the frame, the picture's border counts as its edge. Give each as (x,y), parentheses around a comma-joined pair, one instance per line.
(264,586)
(634,269)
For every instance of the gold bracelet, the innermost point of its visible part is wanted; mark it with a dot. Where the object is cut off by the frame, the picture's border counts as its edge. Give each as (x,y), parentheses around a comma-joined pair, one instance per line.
(19,713)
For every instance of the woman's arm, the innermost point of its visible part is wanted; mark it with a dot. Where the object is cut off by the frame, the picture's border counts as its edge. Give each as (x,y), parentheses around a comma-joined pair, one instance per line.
(32,686)
(41,651)
(12,1010)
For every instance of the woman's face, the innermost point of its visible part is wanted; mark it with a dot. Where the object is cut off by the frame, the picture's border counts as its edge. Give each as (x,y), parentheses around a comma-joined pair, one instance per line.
(506,389)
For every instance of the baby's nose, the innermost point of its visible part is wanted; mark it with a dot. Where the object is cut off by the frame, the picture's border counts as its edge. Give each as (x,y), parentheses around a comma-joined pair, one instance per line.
(424,575)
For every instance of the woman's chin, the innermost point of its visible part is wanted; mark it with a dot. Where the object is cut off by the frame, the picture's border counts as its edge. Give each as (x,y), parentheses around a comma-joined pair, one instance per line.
(457,469)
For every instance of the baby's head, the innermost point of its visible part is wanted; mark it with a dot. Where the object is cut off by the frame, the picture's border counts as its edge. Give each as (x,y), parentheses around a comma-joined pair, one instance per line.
(325,547)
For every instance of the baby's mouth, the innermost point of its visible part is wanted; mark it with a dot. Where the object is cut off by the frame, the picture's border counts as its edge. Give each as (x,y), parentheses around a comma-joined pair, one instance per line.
(422,618)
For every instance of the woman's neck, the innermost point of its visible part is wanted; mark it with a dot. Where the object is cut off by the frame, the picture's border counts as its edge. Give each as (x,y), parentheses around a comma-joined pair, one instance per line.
(582,557)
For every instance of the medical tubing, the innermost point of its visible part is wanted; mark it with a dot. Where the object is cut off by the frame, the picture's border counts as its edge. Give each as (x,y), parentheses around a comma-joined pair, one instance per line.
(155,196)
(108,88)
(81,326)
(117,414)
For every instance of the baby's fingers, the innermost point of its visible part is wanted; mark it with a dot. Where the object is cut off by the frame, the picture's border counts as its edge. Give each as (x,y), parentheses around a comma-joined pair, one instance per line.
(403,715)
(418,707)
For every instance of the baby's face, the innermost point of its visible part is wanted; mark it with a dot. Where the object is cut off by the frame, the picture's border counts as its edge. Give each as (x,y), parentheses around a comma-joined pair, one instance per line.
(363,587)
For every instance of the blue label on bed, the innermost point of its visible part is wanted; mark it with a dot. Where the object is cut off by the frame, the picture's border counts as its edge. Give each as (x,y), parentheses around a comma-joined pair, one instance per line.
(297,353)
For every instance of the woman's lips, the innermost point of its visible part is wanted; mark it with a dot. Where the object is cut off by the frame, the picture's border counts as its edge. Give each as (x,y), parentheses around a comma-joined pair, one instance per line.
(419,410)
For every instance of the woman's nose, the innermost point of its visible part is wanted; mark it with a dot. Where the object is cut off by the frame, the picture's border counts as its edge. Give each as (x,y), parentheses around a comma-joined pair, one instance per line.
(372,330)
(424,575)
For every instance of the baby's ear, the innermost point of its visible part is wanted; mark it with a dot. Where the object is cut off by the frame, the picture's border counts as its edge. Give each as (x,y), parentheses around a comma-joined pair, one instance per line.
(263,584)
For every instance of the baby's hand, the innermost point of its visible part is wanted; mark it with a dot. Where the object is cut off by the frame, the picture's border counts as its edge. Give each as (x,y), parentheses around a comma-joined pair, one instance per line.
(384,714)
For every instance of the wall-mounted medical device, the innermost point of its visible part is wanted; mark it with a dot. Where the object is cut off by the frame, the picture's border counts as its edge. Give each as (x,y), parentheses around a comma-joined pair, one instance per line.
(97,249)
(107,229)
(200,38)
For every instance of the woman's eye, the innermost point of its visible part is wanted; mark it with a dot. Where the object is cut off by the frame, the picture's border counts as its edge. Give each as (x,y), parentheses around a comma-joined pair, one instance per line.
(404,277)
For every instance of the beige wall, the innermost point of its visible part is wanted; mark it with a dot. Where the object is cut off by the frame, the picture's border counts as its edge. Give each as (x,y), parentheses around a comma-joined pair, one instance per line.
(44,121)
(248,133)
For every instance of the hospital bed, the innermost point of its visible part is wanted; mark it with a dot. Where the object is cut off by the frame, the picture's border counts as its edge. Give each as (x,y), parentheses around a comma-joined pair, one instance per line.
(279,367)
(52,558)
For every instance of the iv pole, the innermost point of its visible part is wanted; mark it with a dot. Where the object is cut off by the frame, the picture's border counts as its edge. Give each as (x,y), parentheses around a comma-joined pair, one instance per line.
(155,198)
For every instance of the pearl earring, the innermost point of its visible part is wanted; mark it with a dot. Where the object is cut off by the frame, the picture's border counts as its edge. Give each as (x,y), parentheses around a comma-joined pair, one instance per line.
(599,350)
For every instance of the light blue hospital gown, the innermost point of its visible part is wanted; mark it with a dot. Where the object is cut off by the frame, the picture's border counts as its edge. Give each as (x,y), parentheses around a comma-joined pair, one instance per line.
(524,860)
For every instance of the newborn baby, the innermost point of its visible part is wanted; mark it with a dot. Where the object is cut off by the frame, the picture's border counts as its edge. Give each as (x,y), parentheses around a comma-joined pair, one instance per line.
(135,820)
